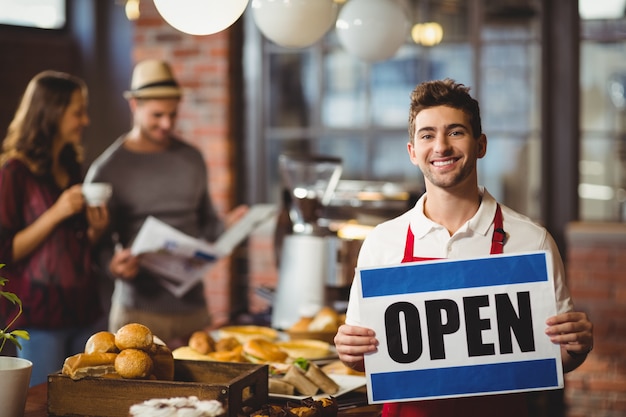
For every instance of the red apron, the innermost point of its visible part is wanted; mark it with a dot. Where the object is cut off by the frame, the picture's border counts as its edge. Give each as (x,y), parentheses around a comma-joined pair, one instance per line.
(511,405)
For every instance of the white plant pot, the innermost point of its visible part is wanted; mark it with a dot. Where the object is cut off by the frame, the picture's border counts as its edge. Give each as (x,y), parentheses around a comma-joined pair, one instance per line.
(14,382)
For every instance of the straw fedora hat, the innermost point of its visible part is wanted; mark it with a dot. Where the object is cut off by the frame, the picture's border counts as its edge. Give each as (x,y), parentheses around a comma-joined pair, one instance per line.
(153,78)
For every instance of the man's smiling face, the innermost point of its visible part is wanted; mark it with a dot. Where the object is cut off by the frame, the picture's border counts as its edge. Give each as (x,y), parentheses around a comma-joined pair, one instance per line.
(444,148)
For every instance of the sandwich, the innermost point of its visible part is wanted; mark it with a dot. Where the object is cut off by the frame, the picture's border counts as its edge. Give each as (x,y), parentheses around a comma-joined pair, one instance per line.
(83,365)
(318,377)
(259,350)
(306,377)
(245,333)
(295,376)
(277,385)
(305,348)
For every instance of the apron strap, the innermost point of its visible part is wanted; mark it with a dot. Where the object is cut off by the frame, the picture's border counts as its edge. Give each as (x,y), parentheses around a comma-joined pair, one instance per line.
(499,235)
(498,239)
(408,246)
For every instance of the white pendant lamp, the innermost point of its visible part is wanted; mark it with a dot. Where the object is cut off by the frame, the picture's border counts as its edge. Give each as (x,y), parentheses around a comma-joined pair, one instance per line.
(372,30)
(294,23)
(200,17)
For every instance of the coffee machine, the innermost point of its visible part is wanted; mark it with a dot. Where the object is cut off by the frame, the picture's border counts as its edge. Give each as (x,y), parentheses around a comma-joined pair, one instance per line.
(306,248)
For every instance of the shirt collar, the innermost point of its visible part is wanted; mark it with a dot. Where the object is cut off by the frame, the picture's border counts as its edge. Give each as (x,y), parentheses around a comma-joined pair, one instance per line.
(479,223)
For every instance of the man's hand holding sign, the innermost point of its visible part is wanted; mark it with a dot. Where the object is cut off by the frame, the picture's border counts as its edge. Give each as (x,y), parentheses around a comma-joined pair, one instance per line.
(441,328)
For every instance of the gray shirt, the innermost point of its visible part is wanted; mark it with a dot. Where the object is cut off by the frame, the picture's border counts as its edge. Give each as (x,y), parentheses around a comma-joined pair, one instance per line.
(169,185)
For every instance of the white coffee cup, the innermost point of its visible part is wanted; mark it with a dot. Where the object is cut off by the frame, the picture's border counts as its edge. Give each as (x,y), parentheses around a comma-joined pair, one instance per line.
(97,193)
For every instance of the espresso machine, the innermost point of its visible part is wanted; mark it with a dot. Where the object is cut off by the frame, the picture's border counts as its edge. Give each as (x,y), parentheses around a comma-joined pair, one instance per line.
(306,248)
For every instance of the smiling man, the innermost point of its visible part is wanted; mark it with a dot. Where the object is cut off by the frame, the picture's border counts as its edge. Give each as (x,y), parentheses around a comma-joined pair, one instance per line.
(457,219)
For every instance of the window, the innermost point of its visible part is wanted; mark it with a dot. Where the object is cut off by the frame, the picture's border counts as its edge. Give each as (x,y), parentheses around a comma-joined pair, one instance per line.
(602,166)
(44,14)
(322,100)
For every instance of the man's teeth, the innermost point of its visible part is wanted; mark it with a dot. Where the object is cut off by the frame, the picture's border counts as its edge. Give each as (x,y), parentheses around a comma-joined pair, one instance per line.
(443,163)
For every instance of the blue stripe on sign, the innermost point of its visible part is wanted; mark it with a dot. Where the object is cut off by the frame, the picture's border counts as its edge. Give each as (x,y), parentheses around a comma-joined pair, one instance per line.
(491,378)
(439,276)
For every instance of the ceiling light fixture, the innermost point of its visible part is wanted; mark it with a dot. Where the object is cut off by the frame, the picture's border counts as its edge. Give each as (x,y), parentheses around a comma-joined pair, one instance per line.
(294,23)
(132,9)
(372,30)
(427,34)
(200,17)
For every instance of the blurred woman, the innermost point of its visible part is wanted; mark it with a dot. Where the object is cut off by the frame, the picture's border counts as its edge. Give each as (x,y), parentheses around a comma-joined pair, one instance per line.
(46,230)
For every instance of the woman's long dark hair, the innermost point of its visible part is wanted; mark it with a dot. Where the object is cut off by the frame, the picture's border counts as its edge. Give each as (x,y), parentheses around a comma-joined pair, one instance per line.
(36,123)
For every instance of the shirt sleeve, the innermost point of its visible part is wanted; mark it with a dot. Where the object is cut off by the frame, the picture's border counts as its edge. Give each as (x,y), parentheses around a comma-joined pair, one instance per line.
(563,298)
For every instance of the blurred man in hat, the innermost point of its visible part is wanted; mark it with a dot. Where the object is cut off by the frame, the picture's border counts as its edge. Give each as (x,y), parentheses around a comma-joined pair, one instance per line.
(153,173)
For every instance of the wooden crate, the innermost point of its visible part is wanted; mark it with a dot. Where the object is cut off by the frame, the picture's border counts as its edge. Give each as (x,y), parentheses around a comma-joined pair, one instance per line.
(240,387)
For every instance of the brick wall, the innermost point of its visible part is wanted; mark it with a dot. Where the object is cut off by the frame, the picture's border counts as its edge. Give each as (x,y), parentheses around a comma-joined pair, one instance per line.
(596,273)
(203,67)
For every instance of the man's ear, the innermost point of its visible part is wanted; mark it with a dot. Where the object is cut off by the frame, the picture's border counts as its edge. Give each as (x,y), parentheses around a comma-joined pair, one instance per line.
(482,146)
(132,103)
(411,151)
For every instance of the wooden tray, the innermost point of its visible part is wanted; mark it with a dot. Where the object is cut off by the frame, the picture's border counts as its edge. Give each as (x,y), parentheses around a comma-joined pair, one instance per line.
(240,387)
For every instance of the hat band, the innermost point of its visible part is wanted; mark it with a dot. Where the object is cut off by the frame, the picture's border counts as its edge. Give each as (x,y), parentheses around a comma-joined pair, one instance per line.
(169,83)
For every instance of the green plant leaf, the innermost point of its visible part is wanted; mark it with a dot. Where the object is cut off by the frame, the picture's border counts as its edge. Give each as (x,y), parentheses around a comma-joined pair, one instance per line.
(302,363)
(21,333)
(14,335)
(11,297)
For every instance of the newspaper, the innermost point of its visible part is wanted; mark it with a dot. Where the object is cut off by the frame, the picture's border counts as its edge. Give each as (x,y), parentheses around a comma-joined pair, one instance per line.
(180,261)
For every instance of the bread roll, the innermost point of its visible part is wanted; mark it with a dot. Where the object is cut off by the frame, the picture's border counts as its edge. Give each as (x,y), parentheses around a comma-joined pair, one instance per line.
(326,320)
(235,355)
(89,364)
(305,348)
(202,342)
(245,333)
(301,325)
(187,353)
(101,342)
(226,344)
(133,364)
(263,351)
(133,336)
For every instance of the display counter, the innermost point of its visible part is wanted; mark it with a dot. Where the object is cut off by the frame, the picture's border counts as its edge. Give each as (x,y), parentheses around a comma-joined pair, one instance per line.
(37,401)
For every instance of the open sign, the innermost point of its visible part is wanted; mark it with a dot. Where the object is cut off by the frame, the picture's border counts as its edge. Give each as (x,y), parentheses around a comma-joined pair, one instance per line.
(454,328)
